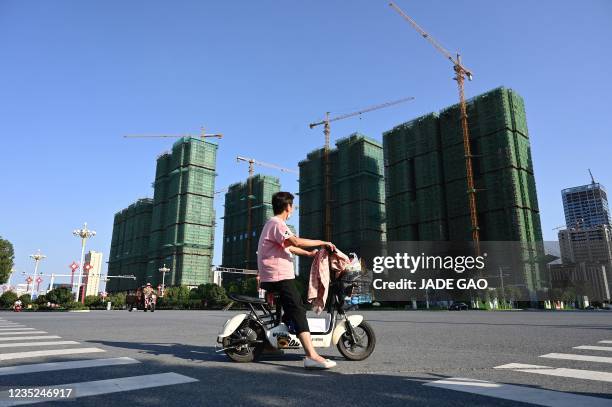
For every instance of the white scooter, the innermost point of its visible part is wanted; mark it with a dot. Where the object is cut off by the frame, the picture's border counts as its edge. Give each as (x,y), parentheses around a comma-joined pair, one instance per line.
(244,336)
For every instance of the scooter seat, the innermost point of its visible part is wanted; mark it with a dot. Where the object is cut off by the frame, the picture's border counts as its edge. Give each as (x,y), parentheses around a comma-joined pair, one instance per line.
(247,299)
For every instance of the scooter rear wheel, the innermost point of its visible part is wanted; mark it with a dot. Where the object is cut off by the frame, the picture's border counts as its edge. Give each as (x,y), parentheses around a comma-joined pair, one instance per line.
(363,348)
(249,351)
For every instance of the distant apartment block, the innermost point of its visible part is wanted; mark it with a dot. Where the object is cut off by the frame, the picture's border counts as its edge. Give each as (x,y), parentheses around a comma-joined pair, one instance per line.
(586,206)
(92,278)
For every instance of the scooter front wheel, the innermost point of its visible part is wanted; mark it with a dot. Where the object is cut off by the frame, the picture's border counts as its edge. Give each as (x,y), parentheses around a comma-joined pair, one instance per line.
(363,345)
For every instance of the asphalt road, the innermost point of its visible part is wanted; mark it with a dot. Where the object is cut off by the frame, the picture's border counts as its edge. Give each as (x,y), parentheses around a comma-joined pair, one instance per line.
(419,359)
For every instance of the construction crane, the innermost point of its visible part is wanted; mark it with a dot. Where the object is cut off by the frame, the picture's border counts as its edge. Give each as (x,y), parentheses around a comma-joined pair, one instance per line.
(252,162)
(203,135)
(592,178)
(461,72)
(327,132)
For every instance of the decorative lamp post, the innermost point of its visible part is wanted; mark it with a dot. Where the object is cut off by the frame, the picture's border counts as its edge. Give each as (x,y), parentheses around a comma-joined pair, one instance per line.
(163,270)
(37,258)
(84,234)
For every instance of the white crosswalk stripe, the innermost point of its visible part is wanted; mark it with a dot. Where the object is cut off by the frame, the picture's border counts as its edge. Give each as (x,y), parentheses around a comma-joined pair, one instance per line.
(15,338)
(99,387)
(604,342)
(28,344)
(584,358)
(557,371)
(522,394)
(76,364)
(587,347)
(49,352)
(16,329)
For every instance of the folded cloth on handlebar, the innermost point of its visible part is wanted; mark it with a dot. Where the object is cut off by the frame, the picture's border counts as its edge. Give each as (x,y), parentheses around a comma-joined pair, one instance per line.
(318,285)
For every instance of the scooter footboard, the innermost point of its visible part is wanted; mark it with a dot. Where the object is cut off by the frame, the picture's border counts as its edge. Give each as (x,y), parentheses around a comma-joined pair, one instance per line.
(340,329)
(230,326)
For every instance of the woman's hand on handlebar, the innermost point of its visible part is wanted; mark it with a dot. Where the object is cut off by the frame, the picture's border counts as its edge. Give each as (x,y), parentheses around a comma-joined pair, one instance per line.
(330,246)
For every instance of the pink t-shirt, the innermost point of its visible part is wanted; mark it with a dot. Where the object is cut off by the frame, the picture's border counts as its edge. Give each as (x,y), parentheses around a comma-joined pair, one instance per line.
(273,260)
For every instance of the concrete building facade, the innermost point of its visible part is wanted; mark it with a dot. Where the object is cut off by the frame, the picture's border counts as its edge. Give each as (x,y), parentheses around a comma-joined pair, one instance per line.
(92,278)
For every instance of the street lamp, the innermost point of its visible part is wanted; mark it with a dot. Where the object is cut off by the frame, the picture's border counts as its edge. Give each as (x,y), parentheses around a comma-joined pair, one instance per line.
(84,234)
(37,257)
(163,270)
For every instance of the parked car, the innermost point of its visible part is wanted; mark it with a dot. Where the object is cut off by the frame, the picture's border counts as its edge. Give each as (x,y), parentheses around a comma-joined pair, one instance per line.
(458,306)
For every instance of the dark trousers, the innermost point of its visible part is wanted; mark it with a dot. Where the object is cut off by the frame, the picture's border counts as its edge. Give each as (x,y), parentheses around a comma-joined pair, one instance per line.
(291,301)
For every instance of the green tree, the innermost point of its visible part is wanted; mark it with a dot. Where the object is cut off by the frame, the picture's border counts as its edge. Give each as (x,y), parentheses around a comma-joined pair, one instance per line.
(7,299)
(93,301)
(233,288)
(199,292)
(249,287)
(61,295)
(26,299)
(215,296)
(41,300)
(178,295)
(7,256)
(117,300)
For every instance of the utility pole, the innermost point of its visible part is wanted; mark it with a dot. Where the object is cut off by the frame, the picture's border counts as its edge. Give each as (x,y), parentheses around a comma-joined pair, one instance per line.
(84,234)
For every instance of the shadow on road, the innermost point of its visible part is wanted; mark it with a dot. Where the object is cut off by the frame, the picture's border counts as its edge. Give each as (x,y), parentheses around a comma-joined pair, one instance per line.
(262,384)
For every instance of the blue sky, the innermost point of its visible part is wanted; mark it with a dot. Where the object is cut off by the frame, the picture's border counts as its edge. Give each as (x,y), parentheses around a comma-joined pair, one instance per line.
(77,76)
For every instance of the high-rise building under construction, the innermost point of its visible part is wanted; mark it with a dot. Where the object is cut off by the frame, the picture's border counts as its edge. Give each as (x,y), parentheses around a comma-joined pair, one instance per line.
(426,183)
(177,226)
(356,195)
(236,224)
(129,251)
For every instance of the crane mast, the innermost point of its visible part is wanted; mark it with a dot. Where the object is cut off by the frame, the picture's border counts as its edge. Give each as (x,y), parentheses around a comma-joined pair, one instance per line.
(461,72)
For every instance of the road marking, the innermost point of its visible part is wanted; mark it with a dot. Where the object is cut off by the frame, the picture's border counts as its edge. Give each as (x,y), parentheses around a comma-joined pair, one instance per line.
(23,344)
(588,347)
(585,358)
(605,342)
(23,333)
(519,393)
(50,352)
(5,324)
(98,387)
(16,329)
(559,371)
(15,338)
(77,364)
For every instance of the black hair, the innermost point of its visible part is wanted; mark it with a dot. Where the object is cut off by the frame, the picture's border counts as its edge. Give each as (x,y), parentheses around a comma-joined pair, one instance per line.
(280,201)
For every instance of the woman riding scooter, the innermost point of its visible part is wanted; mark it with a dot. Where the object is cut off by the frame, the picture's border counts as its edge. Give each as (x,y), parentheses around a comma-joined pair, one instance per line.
(276,274)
